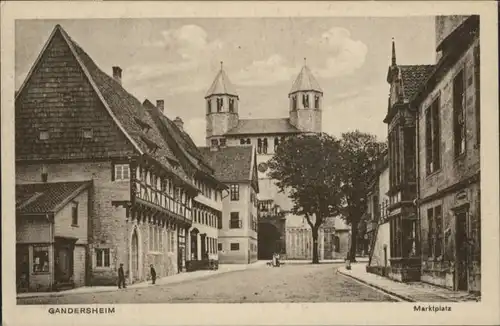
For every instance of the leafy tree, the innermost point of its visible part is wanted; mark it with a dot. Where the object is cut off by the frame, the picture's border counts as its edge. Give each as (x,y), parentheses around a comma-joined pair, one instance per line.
(306,167)
(359,151)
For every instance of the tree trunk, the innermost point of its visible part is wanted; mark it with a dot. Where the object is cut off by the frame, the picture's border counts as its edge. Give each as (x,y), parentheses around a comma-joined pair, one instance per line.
(354,240)
(315,259)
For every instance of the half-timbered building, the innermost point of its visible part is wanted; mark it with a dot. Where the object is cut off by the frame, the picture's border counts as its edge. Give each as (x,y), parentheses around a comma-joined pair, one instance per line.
(74,122)
(202,250)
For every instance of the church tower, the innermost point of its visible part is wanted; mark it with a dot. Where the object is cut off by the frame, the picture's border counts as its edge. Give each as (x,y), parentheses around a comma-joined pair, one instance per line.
(221,109)
(306,101)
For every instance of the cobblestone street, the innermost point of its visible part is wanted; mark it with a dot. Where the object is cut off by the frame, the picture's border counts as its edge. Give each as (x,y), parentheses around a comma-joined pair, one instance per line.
(289,283)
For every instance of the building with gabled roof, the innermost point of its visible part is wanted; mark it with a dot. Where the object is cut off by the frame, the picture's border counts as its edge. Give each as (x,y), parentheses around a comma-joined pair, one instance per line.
(236,167)
(74,122)
(207,205)
(51,225)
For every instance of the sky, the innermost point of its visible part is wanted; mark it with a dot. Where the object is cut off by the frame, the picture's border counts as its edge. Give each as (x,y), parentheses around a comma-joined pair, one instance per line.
(176,59)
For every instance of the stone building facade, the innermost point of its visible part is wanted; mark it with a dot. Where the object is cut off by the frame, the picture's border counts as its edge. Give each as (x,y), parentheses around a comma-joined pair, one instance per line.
(76,123)
(434,162)
(449,159)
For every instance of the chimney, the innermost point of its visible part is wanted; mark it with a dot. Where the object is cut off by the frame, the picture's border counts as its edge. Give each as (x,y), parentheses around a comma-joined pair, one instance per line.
(160,105)
(179,123)
(117,74)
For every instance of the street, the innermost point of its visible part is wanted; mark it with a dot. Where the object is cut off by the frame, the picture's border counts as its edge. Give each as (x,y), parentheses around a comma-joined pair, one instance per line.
(288,283)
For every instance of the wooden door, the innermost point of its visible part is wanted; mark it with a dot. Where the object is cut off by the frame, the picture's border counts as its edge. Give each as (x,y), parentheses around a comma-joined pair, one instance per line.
(64,268)
(461,251)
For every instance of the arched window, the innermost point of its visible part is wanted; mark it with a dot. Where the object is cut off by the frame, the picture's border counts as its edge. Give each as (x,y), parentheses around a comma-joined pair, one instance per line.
(294,102)
(248,141)
(242,141)
(264,146)
(305,101)
(231,105)
(316,101)
(259,145)
(209,106)
(220,104)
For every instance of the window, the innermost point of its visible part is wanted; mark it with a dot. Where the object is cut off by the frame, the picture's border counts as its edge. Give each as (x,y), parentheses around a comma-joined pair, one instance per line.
(459,113)
(235,192)
(264,146)
(214,143)
(87,133)
(74,213)
(409,148)
(122,172)
(276,143)
(396,237)
(160,239)
(477,86)
(395,157)
(220,104)
(235,246)
(222,141)
(305,101)
(435,235)
(102,257)
(40,259)
(151,237)
(433,137)
(231,105)
(219,246)
(316,101)
(259,146)
(336,243)
(234,222)
(294,102)
(242,141)
(219,221)
(44,134)
(209,106)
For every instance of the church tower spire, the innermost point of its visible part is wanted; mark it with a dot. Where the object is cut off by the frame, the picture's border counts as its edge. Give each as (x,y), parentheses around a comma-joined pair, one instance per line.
(393,58)
(306,100)
(221,108)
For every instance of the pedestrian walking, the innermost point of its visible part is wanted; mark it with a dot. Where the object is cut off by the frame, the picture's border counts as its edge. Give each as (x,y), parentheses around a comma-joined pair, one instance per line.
(121,277)
(153,274)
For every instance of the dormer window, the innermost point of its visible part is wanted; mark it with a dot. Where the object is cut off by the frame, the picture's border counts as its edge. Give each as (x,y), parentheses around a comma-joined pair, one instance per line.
(209,106)
(214,142)
(87,133)
(316,101)
(305,101)
(231,105)
(222,142)
(220,104)
(294,102)
(44,134)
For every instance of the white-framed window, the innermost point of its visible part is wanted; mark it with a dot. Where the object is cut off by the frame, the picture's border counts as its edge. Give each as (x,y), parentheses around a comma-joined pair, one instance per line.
(122,172)
(87,133)
(74,213)
(44,134)
(102,257)
(41,259)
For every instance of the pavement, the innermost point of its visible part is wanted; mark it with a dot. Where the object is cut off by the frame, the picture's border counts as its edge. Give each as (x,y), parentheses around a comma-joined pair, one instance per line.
(411,291)
(289,283)
(177,278)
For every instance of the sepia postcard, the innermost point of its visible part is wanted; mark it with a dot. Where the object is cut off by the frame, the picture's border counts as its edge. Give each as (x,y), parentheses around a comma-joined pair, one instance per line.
(250,163)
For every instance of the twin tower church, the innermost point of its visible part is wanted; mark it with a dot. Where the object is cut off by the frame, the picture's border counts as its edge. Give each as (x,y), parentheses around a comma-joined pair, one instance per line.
(279,230)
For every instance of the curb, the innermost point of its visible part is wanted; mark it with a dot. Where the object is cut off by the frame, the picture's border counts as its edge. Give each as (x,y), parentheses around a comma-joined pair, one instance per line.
(137,286)
(397,295)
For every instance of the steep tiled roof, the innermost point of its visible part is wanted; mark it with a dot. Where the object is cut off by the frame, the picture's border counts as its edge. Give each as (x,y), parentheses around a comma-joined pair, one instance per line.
(231,164)
(43,198)
(413,77)
(305,81)
(178,137)
(263,126)
(221,85)
(126,111)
